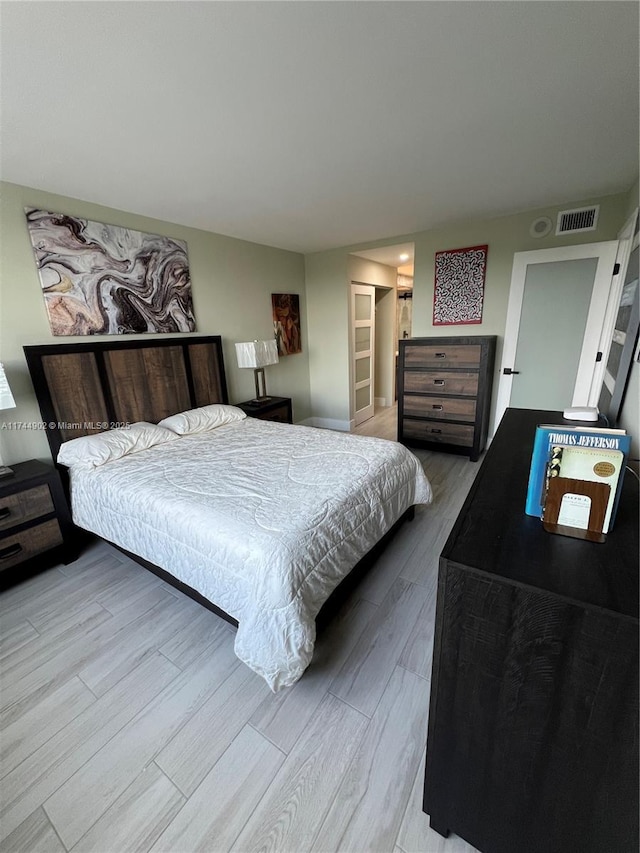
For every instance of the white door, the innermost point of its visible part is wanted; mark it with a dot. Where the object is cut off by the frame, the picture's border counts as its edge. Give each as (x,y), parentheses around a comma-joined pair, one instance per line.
(557,305)
(363,306)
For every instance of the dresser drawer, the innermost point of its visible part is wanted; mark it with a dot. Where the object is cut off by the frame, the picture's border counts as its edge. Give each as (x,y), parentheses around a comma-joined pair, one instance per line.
(440,382)
(441,432)
(443,355)
(445,408)
(20,546)
(23,506)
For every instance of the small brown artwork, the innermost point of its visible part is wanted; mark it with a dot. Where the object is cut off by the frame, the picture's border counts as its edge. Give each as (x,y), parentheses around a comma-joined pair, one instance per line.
(286,322)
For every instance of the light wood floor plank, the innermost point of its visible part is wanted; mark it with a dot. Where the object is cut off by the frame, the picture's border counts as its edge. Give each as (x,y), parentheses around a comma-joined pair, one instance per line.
(84,798)
(132,586)
(45,770)
(70,652)
(382,772)
(423,562)
(41,722)
(42,608)
(15,637)
(191,754)
(190,641)
(283,716)
(418,652)
(137,818)
(226,798)
(13,599)
(34,835)
(107,668)
(363,678)
(377,582)
(291,812)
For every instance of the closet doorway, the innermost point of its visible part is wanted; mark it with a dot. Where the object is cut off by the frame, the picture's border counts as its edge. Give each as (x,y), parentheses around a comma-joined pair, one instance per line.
(388,270)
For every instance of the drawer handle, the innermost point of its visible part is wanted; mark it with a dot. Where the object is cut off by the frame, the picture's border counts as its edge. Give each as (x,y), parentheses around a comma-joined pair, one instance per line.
(441,355)
(438,381)
(436,407)
(435,430)
(11,551)
(5,512)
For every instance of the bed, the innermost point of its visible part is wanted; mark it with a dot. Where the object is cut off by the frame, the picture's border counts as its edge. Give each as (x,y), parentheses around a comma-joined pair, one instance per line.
(263,520)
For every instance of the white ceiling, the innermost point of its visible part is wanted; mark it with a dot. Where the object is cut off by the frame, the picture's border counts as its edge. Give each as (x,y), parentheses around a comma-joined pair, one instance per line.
(311,125)
(390,255)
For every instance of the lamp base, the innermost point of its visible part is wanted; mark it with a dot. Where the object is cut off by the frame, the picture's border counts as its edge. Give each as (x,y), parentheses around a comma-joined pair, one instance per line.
(261,386)
(5,471)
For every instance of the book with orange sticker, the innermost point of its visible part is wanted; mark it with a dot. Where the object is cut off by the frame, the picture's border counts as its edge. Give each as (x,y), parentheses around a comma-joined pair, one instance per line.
(587,454)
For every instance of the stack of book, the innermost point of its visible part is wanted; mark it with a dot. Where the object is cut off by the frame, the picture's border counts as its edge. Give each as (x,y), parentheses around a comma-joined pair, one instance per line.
(576,478)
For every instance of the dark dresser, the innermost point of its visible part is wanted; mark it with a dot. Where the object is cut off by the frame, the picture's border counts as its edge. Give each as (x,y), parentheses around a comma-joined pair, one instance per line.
(533,721)
(444,392)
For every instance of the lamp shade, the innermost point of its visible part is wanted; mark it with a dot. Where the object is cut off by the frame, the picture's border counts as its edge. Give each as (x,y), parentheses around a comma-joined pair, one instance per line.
(257,353)
(6,397)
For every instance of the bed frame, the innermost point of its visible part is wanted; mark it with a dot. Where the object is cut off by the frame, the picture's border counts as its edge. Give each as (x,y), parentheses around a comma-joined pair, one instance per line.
(84,388)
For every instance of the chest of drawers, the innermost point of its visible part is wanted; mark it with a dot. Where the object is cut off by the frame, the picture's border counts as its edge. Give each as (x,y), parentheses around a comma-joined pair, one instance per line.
(35,524)
(444,392)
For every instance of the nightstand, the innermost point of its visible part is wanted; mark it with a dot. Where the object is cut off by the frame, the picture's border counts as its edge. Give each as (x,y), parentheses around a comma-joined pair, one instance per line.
(35,523)
(271,409)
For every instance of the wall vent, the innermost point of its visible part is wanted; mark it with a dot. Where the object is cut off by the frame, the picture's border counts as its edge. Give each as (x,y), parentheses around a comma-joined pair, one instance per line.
(579,219)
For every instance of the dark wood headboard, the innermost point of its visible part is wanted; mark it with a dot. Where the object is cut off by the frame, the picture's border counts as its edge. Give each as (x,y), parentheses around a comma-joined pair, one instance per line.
(89,387)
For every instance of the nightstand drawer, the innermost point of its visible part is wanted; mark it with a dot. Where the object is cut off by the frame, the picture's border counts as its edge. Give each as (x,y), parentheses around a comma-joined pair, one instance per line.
(439,432)
(23,506)
(21,546)
(441,382)
(280,414)
(445,408)
(269,409)
(443,355)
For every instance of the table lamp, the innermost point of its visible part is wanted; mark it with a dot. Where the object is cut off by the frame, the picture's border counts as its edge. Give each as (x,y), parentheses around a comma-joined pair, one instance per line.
(258,355)
(6,402)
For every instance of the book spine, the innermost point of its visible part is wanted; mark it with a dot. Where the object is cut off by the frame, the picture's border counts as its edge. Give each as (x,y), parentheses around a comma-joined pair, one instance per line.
(538,473)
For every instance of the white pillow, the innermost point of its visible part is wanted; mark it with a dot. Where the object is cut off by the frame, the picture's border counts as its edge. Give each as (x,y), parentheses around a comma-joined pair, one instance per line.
(203,419)
(92,450)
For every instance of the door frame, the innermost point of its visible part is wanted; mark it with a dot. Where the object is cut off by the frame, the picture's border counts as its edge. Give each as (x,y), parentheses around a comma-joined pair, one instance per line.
(586,387)
(626,244)
(365,290)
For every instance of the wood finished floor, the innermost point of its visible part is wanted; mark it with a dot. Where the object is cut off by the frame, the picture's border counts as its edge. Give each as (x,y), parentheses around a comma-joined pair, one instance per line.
(128,724)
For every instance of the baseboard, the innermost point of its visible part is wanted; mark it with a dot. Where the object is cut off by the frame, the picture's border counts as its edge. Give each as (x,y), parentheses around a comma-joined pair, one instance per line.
(327,423)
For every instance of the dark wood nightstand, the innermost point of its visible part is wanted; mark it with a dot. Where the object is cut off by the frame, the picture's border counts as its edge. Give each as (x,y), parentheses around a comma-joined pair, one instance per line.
(270,409)
(35,523)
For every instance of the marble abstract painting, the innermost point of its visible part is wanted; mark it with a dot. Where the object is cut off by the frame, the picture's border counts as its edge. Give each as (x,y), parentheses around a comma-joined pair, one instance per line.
(102,279)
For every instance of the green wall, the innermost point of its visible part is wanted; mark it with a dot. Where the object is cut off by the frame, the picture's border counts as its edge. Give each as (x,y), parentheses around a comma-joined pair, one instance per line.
(232,283)
(327,272)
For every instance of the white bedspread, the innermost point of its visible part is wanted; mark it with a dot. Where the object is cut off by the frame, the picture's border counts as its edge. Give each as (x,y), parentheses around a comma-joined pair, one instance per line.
(263,519)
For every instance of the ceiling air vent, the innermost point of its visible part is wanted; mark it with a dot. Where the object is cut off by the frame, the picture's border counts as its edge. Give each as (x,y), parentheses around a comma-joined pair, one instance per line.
(579,219)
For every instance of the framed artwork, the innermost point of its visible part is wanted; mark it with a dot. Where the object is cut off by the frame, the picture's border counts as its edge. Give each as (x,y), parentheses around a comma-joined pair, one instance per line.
(286,322)
(459,286)
(102,279)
